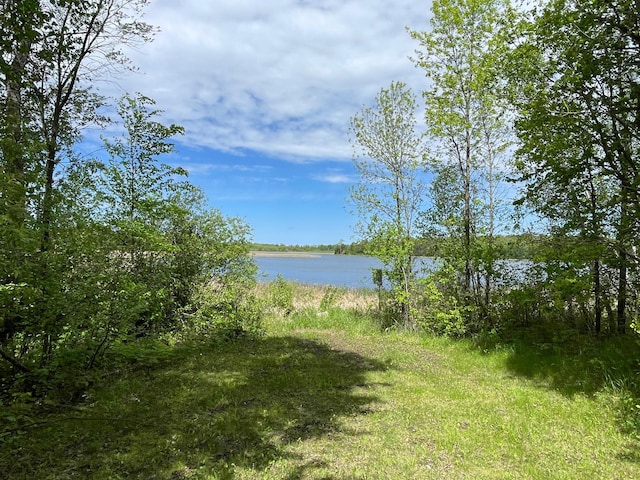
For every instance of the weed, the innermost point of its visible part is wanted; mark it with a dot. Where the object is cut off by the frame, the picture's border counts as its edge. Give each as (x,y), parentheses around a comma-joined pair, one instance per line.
(331,296)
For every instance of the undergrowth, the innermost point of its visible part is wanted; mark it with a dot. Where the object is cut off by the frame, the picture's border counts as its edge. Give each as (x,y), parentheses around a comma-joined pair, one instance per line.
(326,394)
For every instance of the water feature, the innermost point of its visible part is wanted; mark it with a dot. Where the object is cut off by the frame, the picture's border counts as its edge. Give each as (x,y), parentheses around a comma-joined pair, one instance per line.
(352,271)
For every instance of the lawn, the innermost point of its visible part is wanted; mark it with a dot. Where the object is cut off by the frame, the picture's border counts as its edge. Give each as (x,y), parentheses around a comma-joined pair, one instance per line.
(325,395)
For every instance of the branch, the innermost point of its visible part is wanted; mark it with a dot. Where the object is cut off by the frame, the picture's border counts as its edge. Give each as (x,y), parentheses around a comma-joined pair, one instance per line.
(14,362)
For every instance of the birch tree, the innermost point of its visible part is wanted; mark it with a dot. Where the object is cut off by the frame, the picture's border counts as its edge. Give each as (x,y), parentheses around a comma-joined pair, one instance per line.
(388,154)
(467,123)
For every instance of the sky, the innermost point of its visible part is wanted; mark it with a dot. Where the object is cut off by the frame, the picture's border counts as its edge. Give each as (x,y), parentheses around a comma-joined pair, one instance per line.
(265,92)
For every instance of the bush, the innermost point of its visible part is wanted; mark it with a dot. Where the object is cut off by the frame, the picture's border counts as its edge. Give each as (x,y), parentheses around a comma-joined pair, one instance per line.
(331,296)
(281,295)
(438,313)
(224,313)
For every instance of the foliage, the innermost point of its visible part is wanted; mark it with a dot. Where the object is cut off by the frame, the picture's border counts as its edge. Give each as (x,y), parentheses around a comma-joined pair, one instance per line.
(280,247)
(438,311)
(281,295)
(330,298)
(129,244)
(574,76)
(467,122)
(290,405)
(52,51)
(388,156)
(224,313)
(508,246)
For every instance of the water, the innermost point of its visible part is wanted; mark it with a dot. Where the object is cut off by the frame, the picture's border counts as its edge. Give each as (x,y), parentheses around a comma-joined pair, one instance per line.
(351,271)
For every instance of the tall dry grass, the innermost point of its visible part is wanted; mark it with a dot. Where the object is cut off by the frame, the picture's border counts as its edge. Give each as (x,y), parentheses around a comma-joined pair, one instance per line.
(323,297)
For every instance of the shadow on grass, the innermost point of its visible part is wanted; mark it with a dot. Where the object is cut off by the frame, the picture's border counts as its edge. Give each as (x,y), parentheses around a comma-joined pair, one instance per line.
(578,365)
(585,365)
(202,414)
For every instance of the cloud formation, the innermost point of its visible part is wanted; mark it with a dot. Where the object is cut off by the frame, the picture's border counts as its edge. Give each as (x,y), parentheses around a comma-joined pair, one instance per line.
(282,77)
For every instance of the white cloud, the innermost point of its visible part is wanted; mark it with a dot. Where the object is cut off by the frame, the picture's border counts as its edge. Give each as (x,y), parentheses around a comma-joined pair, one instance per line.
(281,77)
(336,178)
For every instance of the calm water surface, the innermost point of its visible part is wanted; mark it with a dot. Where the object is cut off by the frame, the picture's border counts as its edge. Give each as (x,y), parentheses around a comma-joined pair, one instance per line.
(352,271)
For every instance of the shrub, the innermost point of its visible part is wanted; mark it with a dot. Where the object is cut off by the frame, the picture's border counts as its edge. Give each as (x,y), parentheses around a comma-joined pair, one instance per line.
(438,313)
(331,296)
(225,313)
(281,295)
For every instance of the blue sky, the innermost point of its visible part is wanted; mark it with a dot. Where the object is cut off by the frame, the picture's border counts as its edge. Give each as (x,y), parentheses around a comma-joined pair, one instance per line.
(265,91)
(295,203)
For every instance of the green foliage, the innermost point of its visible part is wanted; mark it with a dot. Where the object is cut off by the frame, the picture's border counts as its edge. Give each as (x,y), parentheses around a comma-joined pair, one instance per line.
(436,311)
(280,247)
(467,123)
(96,253)
(224,313)
(330,297)
(133,244)
(573,76)
(281,295)
(388,156)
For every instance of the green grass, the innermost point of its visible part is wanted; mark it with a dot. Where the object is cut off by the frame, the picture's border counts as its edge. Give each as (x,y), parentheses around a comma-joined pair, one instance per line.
(326,396)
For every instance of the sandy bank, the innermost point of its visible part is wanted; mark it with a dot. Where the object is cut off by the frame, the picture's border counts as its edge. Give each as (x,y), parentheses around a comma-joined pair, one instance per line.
(287,254)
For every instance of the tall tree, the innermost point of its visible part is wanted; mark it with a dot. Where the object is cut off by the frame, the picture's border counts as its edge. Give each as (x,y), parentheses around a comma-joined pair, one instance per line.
(20,21)
(467,122)
(578,97)
(81,40)
(389,158)
(52,51)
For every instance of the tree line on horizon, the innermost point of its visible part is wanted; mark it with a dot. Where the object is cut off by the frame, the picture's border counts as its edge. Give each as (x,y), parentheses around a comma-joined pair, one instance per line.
(521,246)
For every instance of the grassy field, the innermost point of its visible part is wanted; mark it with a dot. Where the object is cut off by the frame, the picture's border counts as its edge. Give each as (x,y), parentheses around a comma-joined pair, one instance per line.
(325,395)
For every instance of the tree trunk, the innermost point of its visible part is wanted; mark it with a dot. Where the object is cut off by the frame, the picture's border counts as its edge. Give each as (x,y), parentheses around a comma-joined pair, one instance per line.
(465,170)
(597,293)
(12,149)
(624,229)
(622,292)
(47,201)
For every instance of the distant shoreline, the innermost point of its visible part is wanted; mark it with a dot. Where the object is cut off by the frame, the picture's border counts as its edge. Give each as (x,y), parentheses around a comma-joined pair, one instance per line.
(287,254)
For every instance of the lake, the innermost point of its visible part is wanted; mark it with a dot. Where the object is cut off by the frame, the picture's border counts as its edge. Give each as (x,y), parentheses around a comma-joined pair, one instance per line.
(351,271)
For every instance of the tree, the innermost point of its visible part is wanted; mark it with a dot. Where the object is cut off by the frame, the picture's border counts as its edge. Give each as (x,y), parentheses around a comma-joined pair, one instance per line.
(136,189)
(390,194)
(51,52)
(82,39)
(19,149)
(143,201)
(139,242)
(578,96)
(18,33)
(468,124)
(95,251)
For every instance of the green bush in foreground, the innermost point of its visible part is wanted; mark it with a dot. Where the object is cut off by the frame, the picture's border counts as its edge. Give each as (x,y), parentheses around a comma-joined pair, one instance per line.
(225,313)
